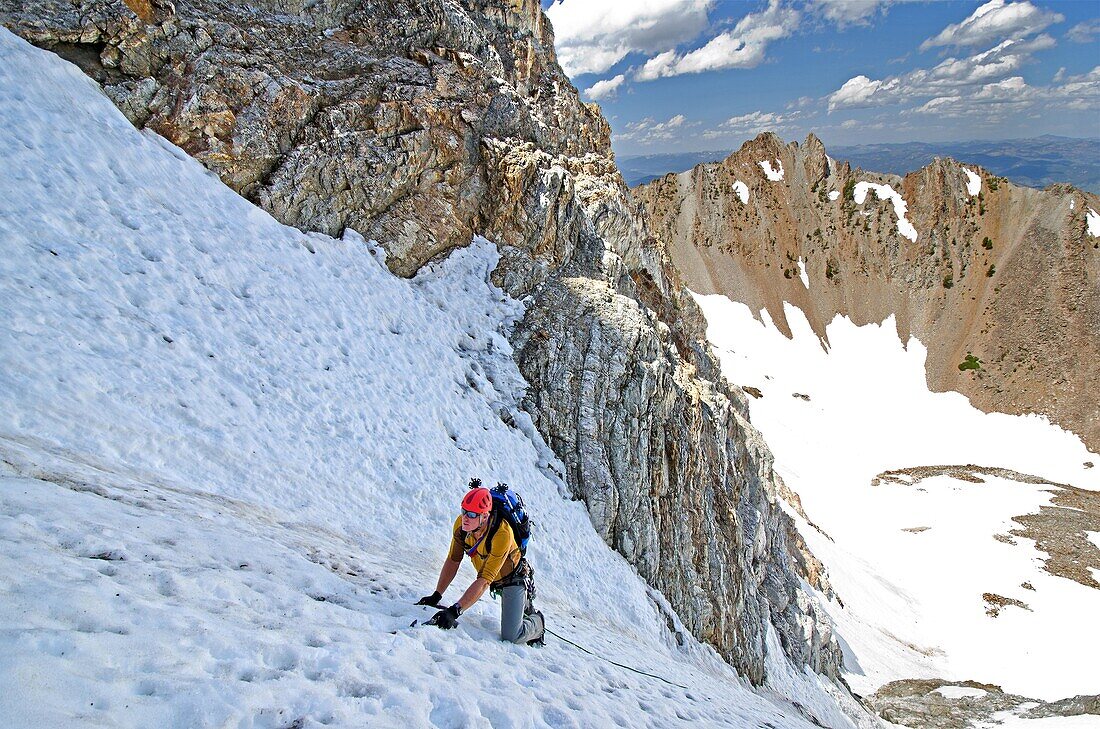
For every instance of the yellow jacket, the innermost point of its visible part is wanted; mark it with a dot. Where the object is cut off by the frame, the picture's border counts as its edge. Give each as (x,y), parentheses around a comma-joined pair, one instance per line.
(492,561)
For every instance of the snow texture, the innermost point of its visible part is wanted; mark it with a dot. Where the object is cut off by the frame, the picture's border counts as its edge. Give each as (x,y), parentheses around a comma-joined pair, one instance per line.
(911,562)
(885,192)
(231,453)
(973,183)
(1093,223)
(802,273)
(773,175)
(834,194)
(742,191)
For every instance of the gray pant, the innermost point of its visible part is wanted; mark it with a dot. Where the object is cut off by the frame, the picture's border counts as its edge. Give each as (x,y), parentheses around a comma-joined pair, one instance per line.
(514,625)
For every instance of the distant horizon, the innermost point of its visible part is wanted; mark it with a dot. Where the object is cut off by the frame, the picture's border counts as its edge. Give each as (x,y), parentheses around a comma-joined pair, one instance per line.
(863,144)
(1035,162)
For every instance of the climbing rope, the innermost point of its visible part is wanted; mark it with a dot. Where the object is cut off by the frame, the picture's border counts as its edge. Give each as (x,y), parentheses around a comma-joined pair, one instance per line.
(620,665)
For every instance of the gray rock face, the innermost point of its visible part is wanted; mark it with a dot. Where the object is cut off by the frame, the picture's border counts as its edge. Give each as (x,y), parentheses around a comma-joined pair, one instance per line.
(939,704)
(421,124)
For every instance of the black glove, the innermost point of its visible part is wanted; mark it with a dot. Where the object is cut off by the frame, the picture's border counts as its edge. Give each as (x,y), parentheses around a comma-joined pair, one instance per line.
(432,599)
(446,619)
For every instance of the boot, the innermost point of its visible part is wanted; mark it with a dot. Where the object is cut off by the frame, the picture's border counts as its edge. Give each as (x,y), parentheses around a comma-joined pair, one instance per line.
(540,625)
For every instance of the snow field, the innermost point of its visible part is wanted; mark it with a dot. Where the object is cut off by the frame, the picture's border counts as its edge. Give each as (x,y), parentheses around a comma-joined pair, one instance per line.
(232,453)
(742,191)
(775,175)
(973,183)
(911,562)
(1092,219)
(885,192)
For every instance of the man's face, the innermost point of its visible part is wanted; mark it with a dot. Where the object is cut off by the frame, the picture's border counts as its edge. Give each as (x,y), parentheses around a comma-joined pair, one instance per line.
(471,523)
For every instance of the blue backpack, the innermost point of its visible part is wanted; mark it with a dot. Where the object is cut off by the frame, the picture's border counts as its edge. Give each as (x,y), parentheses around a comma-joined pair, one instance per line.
(508,506)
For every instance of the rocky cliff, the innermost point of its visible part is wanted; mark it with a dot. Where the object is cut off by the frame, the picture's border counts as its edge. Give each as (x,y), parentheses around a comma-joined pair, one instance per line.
(1001,279)
(421,124)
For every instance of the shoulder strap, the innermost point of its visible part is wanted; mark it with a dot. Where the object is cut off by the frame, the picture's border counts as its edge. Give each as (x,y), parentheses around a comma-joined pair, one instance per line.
(494,525)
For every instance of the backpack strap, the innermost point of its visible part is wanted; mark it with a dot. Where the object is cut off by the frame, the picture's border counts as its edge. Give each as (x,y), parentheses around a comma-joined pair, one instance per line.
(495,518)
(494,524)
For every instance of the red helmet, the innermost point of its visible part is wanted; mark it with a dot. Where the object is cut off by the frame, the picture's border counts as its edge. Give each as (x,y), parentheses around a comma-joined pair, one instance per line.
(478,500)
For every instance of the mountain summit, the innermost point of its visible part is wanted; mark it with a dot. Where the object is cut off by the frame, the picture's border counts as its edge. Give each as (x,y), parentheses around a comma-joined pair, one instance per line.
(1000,282)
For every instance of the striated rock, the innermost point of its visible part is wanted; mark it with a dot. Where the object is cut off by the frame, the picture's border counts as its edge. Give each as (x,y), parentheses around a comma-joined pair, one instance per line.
(421,124)
(1009,275)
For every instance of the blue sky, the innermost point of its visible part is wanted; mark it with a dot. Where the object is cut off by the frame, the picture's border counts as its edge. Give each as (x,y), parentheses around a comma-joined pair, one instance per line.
(691,75)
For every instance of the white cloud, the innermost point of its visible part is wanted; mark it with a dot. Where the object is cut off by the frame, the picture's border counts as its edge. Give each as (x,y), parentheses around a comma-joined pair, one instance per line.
(994,21)
(649,131)
(753,123)
(1084,32)
(993,102)
(952,77)
(1009,88)
(848,12)
(855,92)
(605,89)
(753,120)
(743,47)
(657,67)
(591,36)
(1083,91)
(844,13)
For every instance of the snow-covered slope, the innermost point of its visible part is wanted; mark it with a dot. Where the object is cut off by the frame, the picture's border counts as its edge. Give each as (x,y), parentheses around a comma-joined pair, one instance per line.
(912,559)
(232,452)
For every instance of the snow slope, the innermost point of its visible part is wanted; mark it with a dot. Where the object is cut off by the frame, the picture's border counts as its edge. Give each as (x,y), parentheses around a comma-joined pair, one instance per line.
(230,454)
(912,562)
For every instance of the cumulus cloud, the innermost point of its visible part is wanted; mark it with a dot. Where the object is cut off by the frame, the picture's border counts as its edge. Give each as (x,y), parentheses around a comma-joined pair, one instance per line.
(1080,92)
(994,21)
(650,131)
(591,36)
(1012,96)
(859,91)
(952,77)
(1084,32)
(605,89)
(656,67)
(753,123)
(743,47)
(850,12)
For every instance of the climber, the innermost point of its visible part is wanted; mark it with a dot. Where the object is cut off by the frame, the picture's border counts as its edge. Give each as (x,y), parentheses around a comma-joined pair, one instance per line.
(485,535)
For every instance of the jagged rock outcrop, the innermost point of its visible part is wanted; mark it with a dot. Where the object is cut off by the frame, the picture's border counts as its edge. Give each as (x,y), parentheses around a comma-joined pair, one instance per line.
(420,124)
(1007,274)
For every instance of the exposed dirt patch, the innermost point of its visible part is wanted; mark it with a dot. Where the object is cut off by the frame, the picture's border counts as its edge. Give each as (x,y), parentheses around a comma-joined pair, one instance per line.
(1060,529)
(995,603)
(916,530)
(969,472)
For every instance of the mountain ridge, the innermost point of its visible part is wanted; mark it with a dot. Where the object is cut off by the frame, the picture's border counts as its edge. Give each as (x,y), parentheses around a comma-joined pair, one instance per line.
(1077,159)
(942,274)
